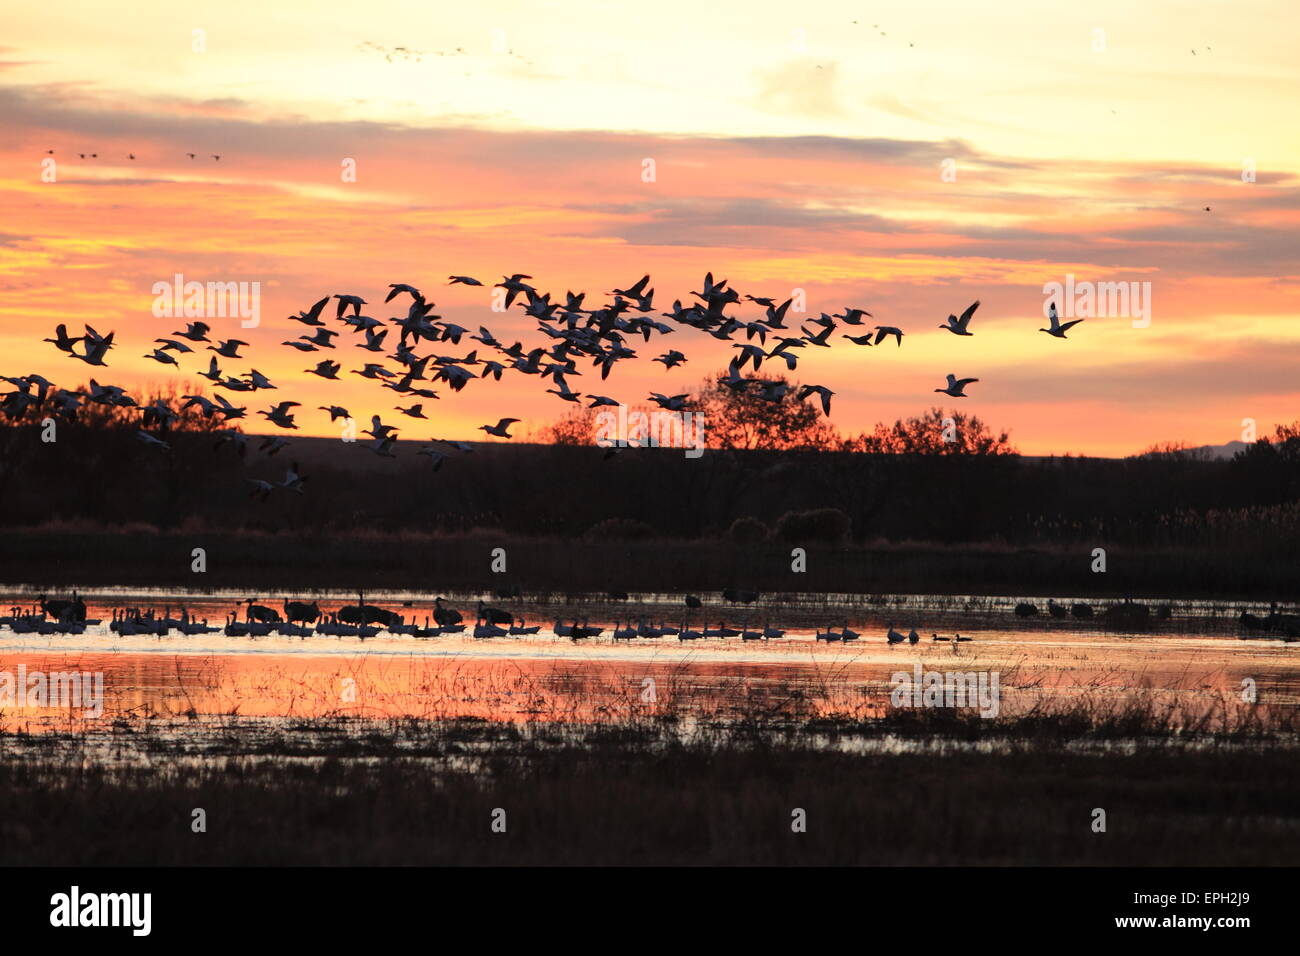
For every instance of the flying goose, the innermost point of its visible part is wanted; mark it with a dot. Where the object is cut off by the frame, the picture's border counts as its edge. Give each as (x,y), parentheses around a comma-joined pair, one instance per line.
(1058,328)
(228,349)
(956,385)
(500,428)
(958,326)
(280,414)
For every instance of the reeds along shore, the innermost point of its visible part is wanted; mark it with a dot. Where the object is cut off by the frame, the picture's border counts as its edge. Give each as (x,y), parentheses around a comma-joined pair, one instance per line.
(642,791)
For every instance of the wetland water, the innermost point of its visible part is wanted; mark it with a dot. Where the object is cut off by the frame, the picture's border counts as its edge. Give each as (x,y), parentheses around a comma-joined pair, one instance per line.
(1192,662)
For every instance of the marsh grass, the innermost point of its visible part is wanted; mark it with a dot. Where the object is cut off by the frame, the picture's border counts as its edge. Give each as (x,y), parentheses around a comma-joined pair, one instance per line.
(1213,783)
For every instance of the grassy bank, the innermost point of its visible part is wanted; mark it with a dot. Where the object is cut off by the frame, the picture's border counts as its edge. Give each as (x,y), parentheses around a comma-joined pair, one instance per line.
(63,556)
(917,787)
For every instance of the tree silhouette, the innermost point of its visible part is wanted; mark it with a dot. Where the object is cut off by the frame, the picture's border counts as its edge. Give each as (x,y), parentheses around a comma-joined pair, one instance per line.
(934,433)
(743,419)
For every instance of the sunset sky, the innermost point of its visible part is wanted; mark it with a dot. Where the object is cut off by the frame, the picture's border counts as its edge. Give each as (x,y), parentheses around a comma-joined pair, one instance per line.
(793,148)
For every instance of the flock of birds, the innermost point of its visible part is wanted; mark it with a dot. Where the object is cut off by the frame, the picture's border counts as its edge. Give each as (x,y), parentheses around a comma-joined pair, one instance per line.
(413,353)
(300,619)
(51,616)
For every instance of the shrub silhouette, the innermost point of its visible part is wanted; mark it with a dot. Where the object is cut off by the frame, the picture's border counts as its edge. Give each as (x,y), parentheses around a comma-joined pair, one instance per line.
(821,525)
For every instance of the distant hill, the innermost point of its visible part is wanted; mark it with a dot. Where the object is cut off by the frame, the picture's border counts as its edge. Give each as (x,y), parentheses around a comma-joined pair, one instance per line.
(1221,452)
(1209,452)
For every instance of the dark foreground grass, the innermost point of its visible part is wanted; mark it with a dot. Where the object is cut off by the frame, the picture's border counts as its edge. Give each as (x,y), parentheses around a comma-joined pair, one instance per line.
(66,556)
(420,792)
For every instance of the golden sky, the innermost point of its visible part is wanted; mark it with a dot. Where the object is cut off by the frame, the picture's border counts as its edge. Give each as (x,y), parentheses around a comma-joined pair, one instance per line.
(794,149)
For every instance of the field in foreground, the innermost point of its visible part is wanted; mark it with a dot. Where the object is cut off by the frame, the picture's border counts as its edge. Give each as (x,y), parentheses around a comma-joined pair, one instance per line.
(915,788)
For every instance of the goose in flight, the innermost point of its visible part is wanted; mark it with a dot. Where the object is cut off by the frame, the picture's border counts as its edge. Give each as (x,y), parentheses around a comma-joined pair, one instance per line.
(213,374)
(163,357)
(321,338)
(373,370)
(312,315)
(300,346)
(436,458)
(774,317)
(1058,328)
(95,349)
(858,339)
(159,414)
(325,369)
(955,386)
(228,349)
(374,340)
(168,345)
(500,428)
(820,337)
(195,332)
(885,331)
(853,316)
(634,292)
(257,380)
(354,301)
(206,406)
(362,323)
(226,410)
(397,288)
(415,411)
(236,385)
(62,341)
(671,358)
(748,353)
(451,332)
(383,447)
(280,414)
(821,390)
(336,411)
(564,392)
(958,326)
(378,430)
(673,403)
(514,286)
(466,280)
(292,480)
